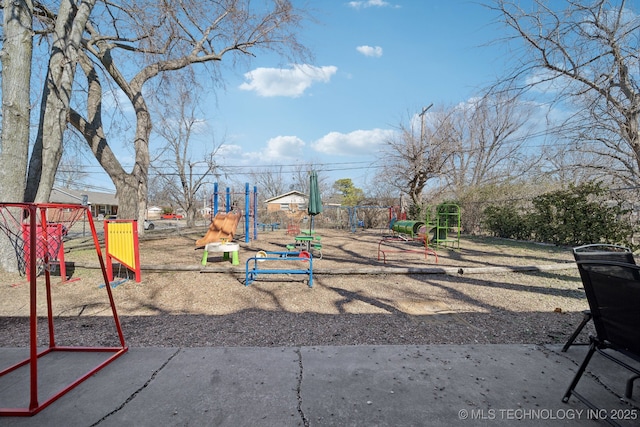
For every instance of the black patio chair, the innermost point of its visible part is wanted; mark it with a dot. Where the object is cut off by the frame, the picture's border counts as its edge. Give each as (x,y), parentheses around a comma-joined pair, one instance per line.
(613,293)
(598,252)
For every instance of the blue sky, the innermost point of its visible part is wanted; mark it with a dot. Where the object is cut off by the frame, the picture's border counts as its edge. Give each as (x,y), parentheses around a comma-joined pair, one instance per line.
(376,63)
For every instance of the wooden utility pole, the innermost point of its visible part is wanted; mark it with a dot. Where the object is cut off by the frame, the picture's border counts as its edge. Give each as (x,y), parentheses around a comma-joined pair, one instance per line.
(424,110)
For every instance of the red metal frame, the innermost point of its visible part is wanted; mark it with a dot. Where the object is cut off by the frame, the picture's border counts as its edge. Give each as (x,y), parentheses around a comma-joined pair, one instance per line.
(425,250)
(35,405)
(54,231)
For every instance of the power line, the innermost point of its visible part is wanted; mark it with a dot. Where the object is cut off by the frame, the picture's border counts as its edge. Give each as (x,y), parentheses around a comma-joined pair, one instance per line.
(87,187)
(325,167)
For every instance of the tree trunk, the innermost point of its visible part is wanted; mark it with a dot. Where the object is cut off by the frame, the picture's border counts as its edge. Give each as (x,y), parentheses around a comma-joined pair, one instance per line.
(135,186)
(131,188)
(14,145)
(130,191)
(16,74)
(54,109)
(192,213)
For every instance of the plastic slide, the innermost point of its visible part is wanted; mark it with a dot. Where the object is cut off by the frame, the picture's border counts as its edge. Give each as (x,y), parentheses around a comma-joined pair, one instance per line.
(222,227)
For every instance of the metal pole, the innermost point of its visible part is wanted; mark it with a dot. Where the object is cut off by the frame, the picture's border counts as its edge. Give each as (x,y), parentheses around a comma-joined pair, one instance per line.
(33,310)
(247,205)
(215,198)
(255,212)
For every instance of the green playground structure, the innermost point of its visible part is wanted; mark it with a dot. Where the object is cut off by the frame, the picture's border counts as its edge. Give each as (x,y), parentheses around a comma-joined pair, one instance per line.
(408,228)
(441,227)
(444,221)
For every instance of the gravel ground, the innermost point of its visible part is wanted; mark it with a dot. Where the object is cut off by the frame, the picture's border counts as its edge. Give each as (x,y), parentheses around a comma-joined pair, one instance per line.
(355,299)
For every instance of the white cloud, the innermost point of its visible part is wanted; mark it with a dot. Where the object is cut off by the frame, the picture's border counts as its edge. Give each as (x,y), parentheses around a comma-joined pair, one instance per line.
(375,51)
(355,143)
(229,151)
(290,82)
(279,148)
(368,3)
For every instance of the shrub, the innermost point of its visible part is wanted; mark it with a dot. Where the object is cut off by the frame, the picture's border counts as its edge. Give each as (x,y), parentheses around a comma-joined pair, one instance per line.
(505,221)
(580,215)
(576,216)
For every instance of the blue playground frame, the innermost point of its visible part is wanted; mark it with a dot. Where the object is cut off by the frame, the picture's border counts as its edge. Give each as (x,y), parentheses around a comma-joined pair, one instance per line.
(252,274)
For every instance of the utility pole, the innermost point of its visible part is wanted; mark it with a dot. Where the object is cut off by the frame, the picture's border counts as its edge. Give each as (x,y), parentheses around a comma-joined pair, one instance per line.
(424,110)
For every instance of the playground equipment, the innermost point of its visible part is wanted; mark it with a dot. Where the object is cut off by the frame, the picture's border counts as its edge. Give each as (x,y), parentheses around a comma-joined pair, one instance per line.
(252,273)
(26,226)
(444,221)
(394,244)
(294,219)
(408,228)
(55,233)
(309,241)
(222,227)
(248,207)
(226,248)
(121,244)
(405,231)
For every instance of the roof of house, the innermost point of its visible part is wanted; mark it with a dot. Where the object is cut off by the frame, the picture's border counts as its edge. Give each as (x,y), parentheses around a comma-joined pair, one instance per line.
(67,195)
(286,196)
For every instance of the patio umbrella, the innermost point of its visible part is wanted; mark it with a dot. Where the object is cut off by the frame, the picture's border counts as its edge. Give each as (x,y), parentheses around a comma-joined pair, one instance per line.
(315,202)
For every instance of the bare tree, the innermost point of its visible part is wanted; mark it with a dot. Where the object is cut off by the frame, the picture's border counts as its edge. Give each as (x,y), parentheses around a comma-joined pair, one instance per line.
(171,36)
(71,172)
(14,143)
(69,25)
(416,154)
(595,149)
(488,138)
(181,177)
(275,180)
(16,108)
(300,177)
(567,161)
(585,55)
(270,181)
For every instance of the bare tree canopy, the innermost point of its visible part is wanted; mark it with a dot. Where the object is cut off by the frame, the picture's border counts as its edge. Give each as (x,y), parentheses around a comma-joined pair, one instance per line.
(120,47)
(416,154)
(584,57)
(488,137)
(182,167)
(271,181)
(276,180)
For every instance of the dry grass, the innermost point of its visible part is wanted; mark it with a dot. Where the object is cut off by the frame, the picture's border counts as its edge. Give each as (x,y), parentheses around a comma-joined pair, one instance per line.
(194,308)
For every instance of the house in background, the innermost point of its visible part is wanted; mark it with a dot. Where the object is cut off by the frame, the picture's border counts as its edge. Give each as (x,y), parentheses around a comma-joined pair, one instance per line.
(289,208)
(293,200)
(102,204)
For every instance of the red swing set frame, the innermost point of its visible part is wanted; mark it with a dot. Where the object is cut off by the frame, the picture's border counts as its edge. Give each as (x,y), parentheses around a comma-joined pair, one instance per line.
(21,221)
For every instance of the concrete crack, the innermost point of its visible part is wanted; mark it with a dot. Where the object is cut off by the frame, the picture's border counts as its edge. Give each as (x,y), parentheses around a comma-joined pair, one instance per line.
(305,421)
(135,393)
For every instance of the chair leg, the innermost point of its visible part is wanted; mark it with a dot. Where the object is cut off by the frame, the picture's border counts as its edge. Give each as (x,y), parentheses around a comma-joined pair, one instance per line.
(585,319)
(581,369)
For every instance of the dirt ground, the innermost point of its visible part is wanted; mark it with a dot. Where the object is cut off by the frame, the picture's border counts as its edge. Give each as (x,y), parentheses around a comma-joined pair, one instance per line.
(469,294)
